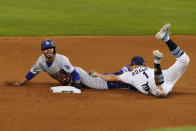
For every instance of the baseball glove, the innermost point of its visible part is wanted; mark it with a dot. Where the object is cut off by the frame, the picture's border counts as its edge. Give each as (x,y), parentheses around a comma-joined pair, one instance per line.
(65,78)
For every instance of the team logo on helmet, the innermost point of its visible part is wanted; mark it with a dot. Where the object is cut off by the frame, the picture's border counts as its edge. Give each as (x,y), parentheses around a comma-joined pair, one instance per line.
(47,43)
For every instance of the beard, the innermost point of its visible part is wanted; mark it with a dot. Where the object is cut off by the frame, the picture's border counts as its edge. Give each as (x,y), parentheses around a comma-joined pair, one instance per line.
(49,57)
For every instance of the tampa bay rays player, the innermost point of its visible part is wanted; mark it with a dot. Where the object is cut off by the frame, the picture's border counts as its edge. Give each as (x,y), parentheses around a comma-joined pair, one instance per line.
(155,81)
(60,68)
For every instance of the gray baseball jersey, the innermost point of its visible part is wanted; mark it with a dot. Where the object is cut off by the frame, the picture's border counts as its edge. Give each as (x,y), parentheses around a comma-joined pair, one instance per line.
(62,63)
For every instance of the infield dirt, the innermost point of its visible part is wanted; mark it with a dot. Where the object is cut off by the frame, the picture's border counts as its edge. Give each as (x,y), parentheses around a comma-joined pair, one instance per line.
(34,108)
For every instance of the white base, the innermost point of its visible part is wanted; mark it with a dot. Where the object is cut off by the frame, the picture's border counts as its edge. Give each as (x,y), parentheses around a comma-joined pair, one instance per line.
(64,89)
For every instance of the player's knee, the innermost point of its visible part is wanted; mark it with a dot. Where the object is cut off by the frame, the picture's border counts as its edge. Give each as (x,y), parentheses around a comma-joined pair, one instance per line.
(187,60)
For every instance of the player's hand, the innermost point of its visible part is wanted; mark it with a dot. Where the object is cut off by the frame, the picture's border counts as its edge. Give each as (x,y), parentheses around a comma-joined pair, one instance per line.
(94,74)
(90,72)
(17,84)
(20,83)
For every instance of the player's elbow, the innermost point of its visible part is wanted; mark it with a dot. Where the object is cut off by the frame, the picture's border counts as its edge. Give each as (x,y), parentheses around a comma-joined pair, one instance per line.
(185,59)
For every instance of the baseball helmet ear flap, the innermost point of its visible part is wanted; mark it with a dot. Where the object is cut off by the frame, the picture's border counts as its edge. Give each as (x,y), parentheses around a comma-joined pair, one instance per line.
(46,44)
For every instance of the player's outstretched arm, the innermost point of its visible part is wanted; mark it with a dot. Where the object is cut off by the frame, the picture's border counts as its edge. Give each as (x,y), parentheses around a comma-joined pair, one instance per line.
(28,77)
(108,77)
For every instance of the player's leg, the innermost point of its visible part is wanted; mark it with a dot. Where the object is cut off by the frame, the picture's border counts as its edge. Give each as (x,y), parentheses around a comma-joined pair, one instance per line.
(182,60)
(91,82)
(159,77)
(163,34)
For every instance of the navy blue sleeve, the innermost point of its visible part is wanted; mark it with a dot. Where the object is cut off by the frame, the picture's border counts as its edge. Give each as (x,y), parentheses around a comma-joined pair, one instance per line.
(121,71)
(75,75)
(29,76)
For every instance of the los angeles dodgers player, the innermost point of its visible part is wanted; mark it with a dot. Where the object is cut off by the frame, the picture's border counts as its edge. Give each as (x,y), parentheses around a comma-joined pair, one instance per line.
(56,65)
(60,68)
(154,81)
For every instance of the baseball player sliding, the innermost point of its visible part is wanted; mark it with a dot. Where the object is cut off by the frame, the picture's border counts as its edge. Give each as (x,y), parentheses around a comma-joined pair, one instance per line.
(155,81)
(56,65)
(60,68)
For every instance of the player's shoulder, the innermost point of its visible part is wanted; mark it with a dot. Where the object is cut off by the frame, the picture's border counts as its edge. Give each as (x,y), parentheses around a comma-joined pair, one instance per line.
(61,56)
(40,61)
(125,68)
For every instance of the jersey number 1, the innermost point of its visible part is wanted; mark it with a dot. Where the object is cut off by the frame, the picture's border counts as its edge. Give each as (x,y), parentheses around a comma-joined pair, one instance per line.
(145,74)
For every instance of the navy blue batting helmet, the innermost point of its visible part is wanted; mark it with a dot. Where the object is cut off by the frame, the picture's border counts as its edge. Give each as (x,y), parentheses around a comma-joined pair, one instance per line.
(46,44)
(137,60)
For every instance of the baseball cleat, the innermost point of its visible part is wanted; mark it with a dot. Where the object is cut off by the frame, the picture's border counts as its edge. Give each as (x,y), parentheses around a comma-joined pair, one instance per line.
(163,34)
(157,56)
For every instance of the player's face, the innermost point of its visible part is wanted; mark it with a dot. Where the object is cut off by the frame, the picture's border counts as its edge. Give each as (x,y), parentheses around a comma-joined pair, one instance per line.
(48,53)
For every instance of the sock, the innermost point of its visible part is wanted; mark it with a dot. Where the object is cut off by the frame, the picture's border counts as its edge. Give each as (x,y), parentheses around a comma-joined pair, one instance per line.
(166,39)
(175,50)
(159,78)
(156,61)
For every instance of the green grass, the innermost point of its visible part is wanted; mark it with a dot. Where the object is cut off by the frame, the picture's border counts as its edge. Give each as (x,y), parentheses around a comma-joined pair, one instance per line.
(95,17)
(190,128)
